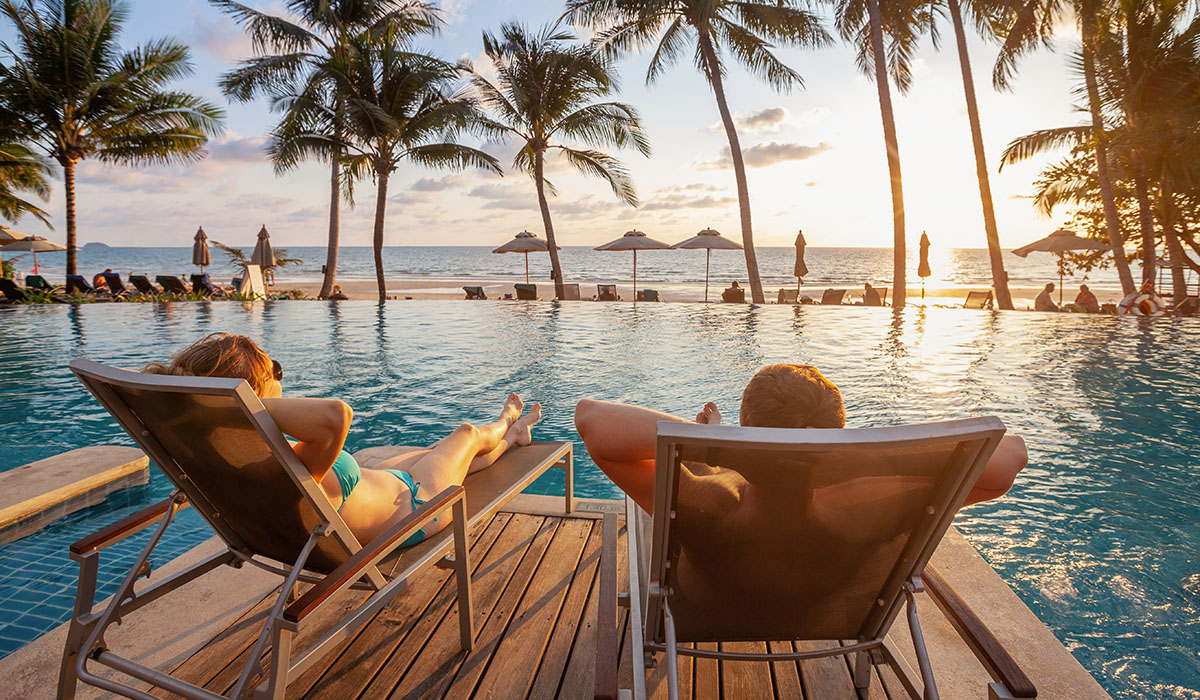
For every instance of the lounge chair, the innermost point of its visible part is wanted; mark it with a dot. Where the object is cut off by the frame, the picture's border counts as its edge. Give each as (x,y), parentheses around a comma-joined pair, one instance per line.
(251,284)
(978,300)
(202,284)
(734,295)
(788,296)
(475,293)
(38,283)
(607,292)
(882,292)
(832,297)
(116,288)
(648,295)
(144,286)
(77,284)
(861,512)
(171,284)
(216,443)
(570,292)
(13,293)
(526,292)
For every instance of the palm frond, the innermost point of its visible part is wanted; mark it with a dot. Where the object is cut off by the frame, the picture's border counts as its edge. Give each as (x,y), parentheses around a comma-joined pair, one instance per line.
(1024,147)
(602,165)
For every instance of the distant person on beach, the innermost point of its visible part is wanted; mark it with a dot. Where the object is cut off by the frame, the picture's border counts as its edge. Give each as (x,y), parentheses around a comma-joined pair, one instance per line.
(1043,302)
(337,293)
(369,500)
(100,281)
(621,439)
(871,296)
(1087,300)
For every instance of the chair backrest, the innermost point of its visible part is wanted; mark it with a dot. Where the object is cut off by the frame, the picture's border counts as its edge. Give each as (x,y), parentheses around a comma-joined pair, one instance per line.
(873,297)
(734,295)
(252,284)
(38,282)
(142,283)
(978,300)
(475,292)
(171,284)
(527,292)
(780,534)
(214,441)
(607,292)
(76,284)
(649,294)
(11,291)
(203,285)
(883,292)
(113,279)
(833,296)
(571,292)
(787,296)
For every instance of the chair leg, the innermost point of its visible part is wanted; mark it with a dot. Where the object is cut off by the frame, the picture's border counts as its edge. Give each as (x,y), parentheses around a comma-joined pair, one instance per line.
(862,670)
(462,569)
(672,654)
(918,639)
(85,598)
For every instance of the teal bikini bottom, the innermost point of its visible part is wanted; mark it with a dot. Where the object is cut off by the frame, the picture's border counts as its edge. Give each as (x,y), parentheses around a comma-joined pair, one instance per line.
(412,485)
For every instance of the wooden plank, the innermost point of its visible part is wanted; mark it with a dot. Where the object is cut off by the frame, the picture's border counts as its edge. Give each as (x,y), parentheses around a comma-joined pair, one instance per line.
(580,677)
(875,690)
(202,666)
(571,624)
(707,683)
(745,679)
(625,665)
(828,677)
(515,663)
(785,674)
(606,613)
(347,673)
(657,683)
(435,666)
(891,683)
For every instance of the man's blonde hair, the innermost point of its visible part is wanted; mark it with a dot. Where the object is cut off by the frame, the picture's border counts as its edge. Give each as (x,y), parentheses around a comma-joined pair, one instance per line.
(792,396)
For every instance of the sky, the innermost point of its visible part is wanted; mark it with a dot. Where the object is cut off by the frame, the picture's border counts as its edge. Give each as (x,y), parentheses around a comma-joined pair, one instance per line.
(815,156)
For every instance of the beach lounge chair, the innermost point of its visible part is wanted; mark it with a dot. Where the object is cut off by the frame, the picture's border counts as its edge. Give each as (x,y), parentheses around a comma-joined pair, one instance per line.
(39,283)
(475,293)
(860,512)
(832,297)
(607,292)
(251,284)
(12,292)
(734,295)
(788,296)
(76,284)
(202,284)
(648,295)
(978,300)
(216,443)
(116,288)
(143,284)
(171,284)
(570,292)
(882,292)
(527,292)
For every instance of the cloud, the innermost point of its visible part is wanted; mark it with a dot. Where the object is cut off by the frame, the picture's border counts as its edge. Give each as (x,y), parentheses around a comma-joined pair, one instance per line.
(222,39)
(680,202)
(454,11)
(766,154)
(693,187)
(437,184)
(230,148)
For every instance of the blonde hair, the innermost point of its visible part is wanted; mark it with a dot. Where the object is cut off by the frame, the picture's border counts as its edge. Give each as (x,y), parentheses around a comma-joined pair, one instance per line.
(221,355)
(792,396)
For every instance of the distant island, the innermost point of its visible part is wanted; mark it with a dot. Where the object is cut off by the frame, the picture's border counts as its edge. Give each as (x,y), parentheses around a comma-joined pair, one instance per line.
(95,245)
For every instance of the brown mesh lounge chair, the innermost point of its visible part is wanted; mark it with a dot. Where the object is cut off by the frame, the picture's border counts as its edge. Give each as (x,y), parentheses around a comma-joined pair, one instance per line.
(832,297)
(526,292)
(978,300)
(217,444)
(860,513)
(475,293)
(607,292)
(570,292)
(143,284)
(788,296)
(171,284)
(734,295)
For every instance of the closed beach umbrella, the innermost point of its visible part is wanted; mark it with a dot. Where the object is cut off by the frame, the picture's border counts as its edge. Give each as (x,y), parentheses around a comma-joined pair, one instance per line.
(634,240)
(7,235)
(32,244)
(200,254)
(1060,243)
(800,270)
(524,242)
(263,255)
(709,240)
(923,270)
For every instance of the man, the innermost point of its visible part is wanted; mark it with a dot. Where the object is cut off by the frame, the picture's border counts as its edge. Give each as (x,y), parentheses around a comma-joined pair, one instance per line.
(1087,300)
(100,281)
(1043,301)
(871,296)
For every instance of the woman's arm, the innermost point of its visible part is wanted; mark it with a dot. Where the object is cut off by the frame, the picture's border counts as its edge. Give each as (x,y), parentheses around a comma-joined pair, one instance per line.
(320,426)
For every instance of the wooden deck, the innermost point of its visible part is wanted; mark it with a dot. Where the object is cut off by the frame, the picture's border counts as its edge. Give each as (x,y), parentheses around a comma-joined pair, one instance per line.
(535,591)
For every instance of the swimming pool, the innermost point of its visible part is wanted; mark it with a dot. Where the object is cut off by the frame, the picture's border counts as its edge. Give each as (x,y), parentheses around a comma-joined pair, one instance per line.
(1099,536)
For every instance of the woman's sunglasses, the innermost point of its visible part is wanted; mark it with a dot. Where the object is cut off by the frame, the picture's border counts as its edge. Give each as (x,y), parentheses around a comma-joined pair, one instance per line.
(277,370)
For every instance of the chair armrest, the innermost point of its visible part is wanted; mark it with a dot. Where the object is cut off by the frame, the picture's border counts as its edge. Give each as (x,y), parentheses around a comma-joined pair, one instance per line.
(994,657)
(607,653)
(351,570)
(128,526)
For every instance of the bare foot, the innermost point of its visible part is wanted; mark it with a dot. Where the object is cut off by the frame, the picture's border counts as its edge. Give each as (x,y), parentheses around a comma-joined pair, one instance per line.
(709,415)
(521,431)
(513,406)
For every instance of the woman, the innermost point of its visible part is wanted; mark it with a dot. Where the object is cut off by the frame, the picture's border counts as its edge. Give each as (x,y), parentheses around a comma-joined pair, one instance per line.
(372,499)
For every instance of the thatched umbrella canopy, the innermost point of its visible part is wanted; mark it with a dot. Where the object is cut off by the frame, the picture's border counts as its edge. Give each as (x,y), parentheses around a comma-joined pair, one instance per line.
(634,240)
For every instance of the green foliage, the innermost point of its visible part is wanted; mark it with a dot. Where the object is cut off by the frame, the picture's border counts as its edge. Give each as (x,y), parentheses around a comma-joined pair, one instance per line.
(22,170)
(238,259)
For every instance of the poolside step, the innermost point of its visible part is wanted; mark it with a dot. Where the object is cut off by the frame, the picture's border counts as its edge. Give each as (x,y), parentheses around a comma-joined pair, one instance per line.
(36,494)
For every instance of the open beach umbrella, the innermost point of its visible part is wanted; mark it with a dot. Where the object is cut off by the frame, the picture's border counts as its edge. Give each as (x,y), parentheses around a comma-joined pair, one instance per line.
(923,270)
(709,240)
(32,244)
(7,235)
(200,254)
(800,270)
(263,255)
(524,242)
(634,240)
(1060,242)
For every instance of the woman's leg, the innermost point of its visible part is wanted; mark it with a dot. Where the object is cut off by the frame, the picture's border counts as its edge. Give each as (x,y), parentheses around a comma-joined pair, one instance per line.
(1002,468)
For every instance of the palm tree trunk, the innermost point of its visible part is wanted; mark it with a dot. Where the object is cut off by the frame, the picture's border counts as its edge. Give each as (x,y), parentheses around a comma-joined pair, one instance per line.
(1111,220)
(1141,185)
(999,276)
(68,167)
(331,248)
(539,164)
(900,260)
(1175,252)
(381,175)
(739,166)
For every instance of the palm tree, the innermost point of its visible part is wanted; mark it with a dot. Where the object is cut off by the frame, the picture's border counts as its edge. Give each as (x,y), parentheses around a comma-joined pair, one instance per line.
(78,95)
(547,91)
(288,56)
(398,105)
(746,29)
(864,25)
(22,170)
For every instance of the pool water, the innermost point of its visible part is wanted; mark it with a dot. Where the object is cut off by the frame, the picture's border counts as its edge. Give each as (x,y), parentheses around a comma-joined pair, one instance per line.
(1100,536)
